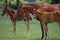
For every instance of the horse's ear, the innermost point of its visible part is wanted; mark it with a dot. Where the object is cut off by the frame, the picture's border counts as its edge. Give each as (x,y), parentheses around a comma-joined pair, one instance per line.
(6,6)
(20,5)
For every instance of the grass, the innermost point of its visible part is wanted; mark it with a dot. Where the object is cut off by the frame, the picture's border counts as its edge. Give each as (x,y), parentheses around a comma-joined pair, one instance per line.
(6,30)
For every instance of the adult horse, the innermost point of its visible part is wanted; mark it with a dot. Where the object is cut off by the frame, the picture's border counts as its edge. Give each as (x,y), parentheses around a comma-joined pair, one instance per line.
(48,9)
(28,9)
(14,17)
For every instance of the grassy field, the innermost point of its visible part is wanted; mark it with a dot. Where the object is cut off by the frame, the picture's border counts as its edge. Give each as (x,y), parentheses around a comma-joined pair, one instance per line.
(6,30)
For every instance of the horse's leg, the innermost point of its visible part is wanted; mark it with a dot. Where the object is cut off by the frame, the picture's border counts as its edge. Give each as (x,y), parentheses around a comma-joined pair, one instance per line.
(42,31)
(27,24)
(14,27)
(45,30)
(28,32)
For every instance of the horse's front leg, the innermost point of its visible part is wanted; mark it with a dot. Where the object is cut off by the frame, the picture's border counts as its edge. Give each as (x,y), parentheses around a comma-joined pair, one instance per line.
(28,31)
(42,31)
(45,31)
(14,27)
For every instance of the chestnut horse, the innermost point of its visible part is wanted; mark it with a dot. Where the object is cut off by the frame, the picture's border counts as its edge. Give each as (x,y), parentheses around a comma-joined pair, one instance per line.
(49,11)
(15,17)
(49,7)
(47,17)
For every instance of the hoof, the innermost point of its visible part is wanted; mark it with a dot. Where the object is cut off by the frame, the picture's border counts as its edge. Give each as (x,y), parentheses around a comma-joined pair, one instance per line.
(14,36)
(43,39)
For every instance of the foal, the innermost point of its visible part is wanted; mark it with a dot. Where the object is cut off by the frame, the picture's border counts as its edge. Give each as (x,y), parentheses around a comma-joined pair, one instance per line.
(15,17)
(47,17)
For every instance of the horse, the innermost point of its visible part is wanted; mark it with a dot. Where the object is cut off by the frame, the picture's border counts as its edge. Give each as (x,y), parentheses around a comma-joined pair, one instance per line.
(34,9)
(47,17)
(14,17)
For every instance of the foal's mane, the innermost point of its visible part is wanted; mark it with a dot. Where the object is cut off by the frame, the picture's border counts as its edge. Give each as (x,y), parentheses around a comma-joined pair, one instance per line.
(9,9)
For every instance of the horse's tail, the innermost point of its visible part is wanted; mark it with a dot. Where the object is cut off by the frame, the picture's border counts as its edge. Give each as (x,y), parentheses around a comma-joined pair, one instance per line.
(31,16)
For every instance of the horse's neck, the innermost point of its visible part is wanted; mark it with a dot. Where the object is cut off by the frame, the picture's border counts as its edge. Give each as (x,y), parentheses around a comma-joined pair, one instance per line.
(10,12)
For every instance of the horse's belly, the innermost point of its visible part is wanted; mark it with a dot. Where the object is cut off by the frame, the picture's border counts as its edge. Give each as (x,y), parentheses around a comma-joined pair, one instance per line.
(50,19)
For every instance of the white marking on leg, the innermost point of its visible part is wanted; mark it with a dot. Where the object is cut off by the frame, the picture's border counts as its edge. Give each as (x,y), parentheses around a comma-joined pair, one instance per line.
(48,35)
(28,32)
(14,35)
(32,16)
(44,38)
(28,35)
(44,35)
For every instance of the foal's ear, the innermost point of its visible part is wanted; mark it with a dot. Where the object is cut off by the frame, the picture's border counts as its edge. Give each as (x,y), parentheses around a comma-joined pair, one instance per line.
(20,5)
(5,6)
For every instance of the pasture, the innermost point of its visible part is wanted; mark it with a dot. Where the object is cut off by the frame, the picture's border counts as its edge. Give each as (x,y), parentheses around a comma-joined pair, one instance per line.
(6,30)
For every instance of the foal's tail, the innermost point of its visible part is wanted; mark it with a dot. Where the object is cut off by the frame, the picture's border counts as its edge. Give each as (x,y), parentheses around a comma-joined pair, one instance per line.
(31,16)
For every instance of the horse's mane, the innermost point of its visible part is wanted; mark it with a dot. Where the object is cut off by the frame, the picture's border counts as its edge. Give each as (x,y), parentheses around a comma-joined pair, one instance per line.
(12,10)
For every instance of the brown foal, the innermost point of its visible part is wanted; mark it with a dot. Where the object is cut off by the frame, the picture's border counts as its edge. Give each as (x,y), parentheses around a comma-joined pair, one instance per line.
(14,16)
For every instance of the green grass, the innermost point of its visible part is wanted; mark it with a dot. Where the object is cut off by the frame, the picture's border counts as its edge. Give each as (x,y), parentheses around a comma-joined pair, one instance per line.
(6,30)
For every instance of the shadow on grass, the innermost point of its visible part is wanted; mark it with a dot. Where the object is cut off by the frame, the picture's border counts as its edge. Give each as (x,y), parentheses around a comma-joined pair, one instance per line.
(13,38)
(46,39)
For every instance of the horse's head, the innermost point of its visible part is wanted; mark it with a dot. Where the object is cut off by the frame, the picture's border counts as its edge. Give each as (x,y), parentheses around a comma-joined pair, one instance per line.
(19,10)
(4,11)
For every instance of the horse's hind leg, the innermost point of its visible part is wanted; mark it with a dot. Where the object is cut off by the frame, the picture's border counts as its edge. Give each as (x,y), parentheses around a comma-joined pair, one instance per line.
(46,32)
